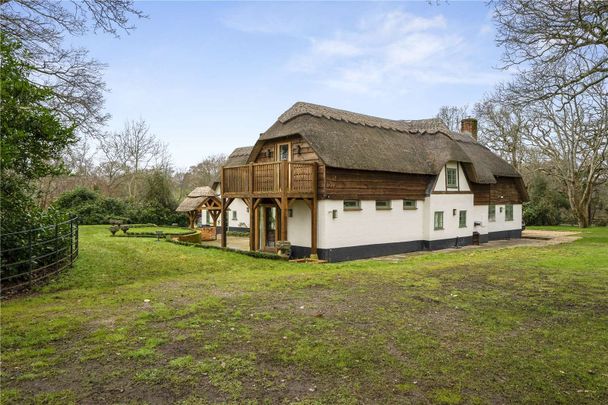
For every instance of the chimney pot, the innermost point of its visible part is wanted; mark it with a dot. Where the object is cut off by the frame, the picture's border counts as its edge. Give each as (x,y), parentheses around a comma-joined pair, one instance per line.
(469,126)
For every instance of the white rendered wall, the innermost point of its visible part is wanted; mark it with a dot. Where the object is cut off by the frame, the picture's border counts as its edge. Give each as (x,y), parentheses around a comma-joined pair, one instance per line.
(367,226)
(447,203)
(298,225)
(501,224)
(242,215)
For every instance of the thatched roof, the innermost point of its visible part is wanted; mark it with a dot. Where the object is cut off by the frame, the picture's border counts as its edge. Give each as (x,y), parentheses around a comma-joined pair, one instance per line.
(195,199)
(238,156)
(348,140)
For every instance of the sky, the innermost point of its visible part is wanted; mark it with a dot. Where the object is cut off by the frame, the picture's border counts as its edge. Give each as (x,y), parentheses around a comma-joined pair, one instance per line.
(211,76)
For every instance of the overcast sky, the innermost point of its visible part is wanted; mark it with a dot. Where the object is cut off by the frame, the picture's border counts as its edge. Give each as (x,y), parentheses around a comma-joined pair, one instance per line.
(209,77)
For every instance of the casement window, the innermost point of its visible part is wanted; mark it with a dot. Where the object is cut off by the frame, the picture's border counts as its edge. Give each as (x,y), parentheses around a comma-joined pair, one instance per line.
(234,216)
(352,205)
(509,212)
(462,219)
(409,204)
(208,219)
(492,213)
(438,220)
(451,175)
(383,204)
(284,151)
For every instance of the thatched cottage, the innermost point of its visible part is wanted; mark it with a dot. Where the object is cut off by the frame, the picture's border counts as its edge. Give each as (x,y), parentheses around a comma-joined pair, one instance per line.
(343,186)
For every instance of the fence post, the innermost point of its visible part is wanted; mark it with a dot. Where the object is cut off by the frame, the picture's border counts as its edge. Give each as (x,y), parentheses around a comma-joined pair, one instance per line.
(56,247)
(71,242)
(77,235)
(30,254)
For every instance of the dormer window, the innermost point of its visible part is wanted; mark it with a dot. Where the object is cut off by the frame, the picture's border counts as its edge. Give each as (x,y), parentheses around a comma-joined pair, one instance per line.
(451,174)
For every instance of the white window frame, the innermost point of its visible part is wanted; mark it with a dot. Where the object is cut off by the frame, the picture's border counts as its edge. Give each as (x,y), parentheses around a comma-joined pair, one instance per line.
(356,207)
(408,207)
(491,215)
(386,207)
(447,177)
(507,212)
(436,225)
(460,224)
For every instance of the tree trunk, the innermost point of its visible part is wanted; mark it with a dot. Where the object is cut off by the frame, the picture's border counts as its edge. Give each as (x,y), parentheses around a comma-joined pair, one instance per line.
(580,206)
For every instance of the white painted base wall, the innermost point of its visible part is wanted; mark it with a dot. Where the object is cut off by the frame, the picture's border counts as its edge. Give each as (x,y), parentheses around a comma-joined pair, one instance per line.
(369,226)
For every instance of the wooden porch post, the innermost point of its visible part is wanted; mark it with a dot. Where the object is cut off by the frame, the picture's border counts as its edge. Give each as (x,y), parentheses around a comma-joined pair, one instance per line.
(284,200)
(313,213)
(252,231)
(256,228)
(224,222)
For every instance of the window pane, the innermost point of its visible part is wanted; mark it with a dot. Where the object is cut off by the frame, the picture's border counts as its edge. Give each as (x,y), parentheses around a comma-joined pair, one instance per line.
(492,213)
(409,204)
(352,204)
(284,152)
(509,212)
(383,204)
(439,220)
(452,177)
(462,220)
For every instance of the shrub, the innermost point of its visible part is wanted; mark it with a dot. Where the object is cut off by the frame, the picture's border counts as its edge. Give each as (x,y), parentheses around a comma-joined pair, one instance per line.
(93,208)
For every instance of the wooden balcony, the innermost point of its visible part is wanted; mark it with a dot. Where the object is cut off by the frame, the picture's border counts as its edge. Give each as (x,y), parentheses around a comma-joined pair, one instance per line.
(274,179)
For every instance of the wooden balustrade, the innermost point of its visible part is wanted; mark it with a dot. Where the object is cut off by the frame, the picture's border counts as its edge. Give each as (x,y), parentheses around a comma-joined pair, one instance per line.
(259,179)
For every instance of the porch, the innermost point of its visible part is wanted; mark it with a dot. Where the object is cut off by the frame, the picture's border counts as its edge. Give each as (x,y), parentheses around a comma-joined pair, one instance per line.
(268,190)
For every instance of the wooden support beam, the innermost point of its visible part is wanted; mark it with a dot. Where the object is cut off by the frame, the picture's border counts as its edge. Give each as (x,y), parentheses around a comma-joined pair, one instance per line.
(256,226)
(224,223)
(313,214)
(251,224)
(284,200)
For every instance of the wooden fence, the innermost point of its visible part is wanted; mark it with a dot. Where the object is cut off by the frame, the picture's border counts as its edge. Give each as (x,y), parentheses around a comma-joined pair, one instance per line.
(30,257)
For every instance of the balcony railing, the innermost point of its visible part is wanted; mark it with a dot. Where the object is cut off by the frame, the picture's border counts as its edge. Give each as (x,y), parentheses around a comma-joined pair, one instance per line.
(269,179)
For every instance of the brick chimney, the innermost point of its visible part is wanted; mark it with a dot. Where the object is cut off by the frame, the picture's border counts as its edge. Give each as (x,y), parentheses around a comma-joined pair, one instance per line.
(469,126)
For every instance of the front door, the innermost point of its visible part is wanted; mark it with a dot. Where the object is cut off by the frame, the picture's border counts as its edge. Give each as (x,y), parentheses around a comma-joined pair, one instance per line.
(271,226)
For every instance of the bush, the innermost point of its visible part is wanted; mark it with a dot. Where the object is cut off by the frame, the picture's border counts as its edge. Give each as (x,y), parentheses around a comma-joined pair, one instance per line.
(547,205)
(93,208)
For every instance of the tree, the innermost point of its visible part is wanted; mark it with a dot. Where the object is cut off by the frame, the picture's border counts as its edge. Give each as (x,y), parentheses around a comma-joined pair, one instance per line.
(131,151)
(201,174)
(72,77)
(571,133)
(158,190)
(560,47)
(33,137)
(452,115)
(501,128)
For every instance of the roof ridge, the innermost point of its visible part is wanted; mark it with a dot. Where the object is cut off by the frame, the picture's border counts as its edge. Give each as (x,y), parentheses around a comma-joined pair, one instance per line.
(420,125)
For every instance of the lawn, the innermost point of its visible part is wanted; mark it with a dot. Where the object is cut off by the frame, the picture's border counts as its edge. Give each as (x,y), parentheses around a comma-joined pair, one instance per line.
(141,321)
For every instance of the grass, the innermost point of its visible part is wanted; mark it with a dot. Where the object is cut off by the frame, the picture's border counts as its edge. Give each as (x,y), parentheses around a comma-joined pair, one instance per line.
(141,321)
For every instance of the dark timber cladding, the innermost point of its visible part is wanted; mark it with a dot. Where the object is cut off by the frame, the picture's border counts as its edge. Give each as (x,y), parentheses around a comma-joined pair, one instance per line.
(372,185)
(505,191)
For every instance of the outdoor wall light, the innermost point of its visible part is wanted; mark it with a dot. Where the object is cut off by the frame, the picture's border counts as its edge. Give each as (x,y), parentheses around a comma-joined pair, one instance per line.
(334,214)
(454,211)
(501,209)
(299,150)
